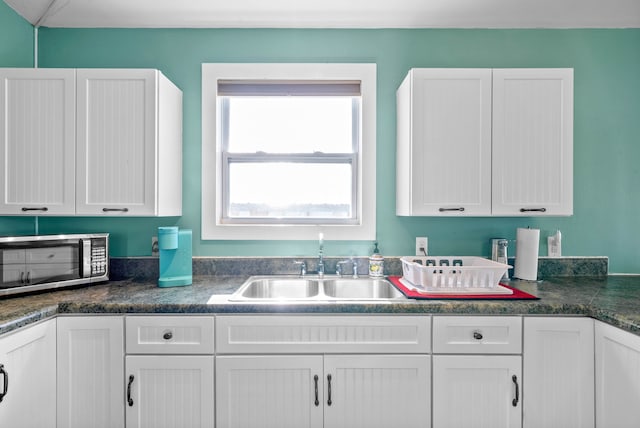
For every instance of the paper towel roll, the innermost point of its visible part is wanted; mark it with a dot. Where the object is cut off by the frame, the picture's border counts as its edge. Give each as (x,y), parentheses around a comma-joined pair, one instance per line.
(527,242)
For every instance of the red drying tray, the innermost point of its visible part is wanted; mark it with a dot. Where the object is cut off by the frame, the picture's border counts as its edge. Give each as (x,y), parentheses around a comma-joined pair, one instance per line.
(412,294)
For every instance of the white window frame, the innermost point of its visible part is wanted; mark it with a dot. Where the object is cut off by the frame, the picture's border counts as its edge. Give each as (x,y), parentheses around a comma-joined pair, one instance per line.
(212,226)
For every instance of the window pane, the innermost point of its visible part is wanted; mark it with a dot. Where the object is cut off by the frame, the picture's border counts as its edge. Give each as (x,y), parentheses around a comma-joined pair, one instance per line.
(290,190)
(293,124)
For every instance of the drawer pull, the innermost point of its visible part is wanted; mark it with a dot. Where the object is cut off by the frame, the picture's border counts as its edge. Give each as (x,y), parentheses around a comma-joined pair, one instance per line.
(329,402)
(129,399)
(315,380)
(168,335)
(6,382)
(477,335)
(515,401)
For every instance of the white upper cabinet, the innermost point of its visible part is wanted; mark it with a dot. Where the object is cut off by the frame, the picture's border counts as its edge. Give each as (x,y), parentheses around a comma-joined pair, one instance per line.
(444,142)
(532,142)
(129,143)
(37,153)
(480,142)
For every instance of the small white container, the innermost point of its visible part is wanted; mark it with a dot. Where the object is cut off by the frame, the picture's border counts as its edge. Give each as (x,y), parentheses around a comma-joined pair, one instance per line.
(376,265)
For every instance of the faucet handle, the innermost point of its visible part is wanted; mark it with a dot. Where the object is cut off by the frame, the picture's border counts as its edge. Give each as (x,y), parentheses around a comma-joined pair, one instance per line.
(354,263)
(303,267)
(339,267)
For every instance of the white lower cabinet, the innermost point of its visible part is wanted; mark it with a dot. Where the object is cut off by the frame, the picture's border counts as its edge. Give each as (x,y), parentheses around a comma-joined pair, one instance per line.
(323,391)
(617,377)
(474,383)
(90,372)
(558,373)
(477,391)
(169,391)
(28,377)
(169,371)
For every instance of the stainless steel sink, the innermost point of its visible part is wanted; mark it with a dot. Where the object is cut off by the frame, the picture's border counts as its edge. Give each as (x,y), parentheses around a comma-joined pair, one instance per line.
(361,288)
(280,288)
(315,289)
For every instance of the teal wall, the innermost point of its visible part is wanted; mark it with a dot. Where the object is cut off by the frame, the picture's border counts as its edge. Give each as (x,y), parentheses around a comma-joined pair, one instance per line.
(606,129)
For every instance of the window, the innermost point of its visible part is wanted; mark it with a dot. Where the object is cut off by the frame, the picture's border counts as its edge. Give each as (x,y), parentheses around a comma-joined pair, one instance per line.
(288,145)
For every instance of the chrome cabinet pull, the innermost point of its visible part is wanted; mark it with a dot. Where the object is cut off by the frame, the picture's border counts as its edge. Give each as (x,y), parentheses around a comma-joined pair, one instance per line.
(315,380)
(124,210)
(4,373)
(526,210)
(477,335)
(329,390)
(44,209)
(442,210)
(129,399)
(515,401)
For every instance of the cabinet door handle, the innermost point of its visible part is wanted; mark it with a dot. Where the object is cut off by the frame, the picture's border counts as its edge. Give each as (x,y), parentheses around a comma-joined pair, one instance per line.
(21,277)
(107,210)
(461,209)
(477,335)
(539,210)
(28,278)
(315,380)
(515,401)
(4,373)
(129,399)
(329,390)
(44,209)
(168,335)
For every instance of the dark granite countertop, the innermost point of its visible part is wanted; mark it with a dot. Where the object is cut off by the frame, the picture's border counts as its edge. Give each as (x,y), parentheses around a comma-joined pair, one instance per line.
(612,299)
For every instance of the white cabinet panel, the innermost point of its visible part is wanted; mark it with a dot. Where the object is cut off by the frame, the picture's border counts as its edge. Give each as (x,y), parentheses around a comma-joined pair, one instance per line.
(318,334)
(477,335)
(37,141)
(558,372)
(169,335)
(129,143)
(474,391)
(170,391)
(90,372)
(28,366)
(617,377)
(269,391)
(444,142)
(532,141)
(377,391)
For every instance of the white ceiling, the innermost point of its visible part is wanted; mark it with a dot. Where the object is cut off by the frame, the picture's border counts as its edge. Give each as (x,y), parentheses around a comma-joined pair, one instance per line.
(331,13)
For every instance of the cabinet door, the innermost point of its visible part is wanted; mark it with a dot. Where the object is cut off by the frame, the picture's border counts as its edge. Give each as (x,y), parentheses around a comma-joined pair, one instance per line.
(558,368)
(444,143)
(90,372)
(532,142)
(377,391)
(169,391)
(116,142)
(617,377)
(28,365)
(37,141)
(476,391)
(269,391)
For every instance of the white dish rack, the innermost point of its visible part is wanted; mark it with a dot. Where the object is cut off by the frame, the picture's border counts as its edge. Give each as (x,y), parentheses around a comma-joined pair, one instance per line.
(453,274)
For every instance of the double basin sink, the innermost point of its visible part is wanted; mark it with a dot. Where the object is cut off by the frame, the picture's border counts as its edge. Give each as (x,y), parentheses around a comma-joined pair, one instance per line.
(314,288)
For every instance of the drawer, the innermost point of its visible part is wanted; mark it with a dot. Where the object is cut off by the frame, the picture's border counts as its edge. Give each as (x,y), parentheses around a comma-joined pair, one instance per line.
(477,335)
(169,335)
(304,334)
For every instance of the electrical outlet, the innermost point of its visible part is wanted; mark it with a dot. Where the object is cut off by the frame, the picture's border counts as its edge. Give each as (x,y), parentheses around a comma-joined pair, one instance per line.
(155,252)
(422,246)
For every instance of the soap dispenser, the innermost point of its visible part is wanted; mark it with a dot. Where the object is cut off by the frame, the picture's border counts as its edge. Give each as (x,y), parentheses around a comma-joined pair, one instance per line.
(376,263)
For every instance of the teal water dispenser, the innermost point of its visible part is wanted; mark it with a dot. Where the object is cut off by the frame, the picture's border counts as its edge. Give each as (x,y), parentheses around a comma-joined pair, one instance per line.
(175,257)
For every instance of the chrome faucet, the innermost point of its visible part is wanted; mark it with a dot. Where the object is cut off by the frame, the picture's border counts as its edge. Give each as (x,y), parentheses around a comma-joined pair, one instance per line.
(320,261)
(354,264)
(303,268)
